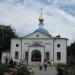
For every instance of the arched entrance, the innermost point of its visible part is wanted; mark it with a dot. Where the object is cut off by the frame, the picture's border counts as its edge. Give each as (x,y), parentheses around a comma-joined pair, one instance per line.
(36,56)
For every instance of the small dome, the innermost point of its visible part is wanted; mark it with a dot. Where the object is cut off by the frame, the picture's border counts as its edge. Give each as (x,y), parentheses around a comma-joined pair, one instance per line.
(41,19)
(42,30)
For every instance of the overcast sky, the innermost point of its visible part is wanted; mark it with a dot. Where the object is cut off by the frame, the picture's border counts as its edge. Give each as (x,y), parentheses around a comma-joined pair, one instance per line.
(23,15)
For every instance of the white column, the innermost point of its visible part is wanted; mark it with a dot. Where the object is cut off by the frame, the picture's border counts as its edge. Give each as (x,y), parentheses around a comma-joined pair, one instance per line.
(29,57)
(42,56)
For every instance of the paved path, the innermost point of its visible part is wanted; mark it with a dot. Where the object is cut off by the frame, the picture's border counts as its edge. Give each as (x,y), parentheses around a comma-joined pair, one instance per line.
(50,71)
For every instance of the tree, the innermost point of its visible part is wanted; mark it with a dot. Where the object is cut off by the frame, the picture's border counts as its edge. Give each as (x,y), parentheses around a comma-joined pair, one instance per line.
(71,53)
(6,33)
(71,49)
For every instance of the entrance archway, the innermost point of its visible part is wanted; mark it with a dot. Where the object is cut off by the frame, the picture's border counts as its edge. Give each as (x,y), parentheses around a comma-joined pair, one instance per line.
(36,56)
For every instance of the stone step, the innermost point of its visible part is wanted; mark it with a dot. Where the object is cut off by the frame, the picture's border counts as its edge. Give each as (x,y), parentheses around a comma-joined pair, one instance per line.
(50,71)
(36,64)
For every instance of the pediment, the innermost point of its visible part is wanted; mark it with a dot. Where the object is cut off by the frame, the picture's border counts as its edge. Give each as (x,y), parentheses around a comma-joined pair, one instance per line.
(37,35)
(36,45)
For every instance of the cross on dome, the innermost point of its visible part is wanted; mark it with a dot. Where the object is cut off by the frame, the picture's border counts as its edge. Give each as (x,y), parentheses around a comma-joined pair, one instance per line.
(41,19)
(41,9)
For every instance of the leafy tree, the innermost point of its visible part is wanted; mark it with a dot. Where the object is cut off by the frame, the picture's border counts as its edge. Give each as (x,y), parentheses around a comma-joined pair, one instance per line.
(6,33)
(3,68)
(71,53)
(71,50)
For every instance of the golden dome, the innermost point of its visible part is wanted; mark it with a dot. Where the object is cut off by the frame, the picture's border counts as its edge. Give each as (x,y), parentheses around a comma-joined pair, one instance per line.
(41,19)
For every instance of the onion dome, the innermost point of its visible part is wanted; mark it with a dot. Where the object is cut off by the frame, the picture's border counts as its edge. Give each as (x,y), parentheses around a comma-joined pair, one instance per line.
(41,19)
(41,26)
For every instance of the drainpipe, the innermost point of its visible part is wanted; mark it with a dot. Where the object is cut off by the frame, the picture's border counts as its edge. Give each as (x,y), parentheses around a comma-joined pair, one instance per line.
(66,51)
(21,50)
(44,54)
(28,56)
(53,50)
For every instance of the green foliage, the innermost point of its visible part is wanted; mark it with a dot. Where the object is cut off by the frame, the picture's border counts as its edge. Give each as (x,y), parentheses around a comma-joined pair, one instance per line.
(71,54)
(71,49)
(23,71)
(3,68)
(6,33)
(67,69)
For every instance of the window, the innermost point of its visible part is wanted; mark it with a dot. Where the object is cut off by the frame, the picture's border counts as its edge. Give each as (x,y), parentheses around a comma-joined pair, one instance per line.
(58,45)
(47,55)
(17,45)
(26,56)
(16,54)
(37,35)
(58,55)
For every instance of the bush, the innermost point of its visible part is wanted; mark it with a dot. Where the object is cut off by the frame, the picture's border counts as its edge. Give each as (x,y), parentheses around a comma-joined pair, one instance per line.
(23,70)
(3,68)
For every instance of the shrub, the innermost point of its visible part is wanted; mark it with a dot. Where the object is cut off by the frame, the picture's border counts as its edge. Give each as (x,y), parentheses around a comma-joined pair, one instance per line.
(22,70)
(3,68)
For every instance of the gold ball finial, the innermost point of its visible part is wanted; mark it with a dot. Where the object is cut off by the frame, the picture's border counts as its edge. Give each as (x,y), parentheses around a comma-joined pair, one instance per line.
(41,19)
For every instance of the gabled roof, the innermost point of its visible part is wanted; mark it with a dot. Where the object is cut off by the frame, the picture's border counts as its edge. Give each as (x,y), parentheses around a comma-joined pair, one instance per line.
(42,30)
(35,32)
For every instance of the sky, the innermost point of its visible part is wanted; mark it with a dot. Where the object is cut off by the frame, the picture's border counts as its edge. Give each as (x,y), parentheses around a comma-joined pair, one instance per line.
(23,15)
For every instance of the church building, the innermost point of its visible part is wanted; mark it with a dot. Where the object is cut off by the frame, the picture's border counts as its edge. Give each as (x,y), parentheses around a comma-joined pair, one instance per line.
(37,47)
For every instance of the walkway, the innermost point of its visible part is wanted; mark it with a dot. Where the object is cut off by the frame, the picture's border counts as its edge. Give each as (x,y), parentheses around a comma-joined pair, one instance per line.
(50,71)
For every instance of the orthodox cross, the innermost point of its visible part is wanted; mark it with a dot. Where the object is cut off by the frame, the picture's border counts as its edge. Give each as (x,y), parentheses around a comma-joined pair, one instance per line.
(41,9)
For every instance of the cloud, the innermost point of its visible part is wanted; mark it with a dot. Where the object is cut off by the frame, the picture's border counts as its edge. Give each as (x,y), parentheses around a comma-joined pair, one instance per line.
(24,17)
(66,5)
(70,1)
(59,2)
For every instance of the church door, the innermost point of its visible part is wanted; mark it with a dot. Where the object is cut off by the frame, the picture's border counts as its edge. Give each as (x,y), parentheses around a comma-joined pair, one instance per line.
(36,56)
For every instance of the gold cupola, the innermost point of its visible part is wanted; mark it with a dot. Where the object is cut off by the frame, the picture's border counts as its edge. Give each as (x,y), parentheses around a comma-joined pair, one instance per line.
(41,19)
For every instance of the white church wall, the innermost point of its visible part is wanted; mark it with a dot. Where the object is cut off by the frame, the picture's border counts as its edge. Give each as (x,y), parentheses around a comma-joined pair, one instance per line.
(25,44)
(47,42)
(14,48)
(61,49)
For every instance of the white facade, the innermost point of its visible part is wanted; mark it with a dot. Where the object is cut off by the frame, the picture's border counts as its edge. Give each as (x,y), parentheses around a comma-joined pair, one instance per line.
(42,43)
(39,46)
